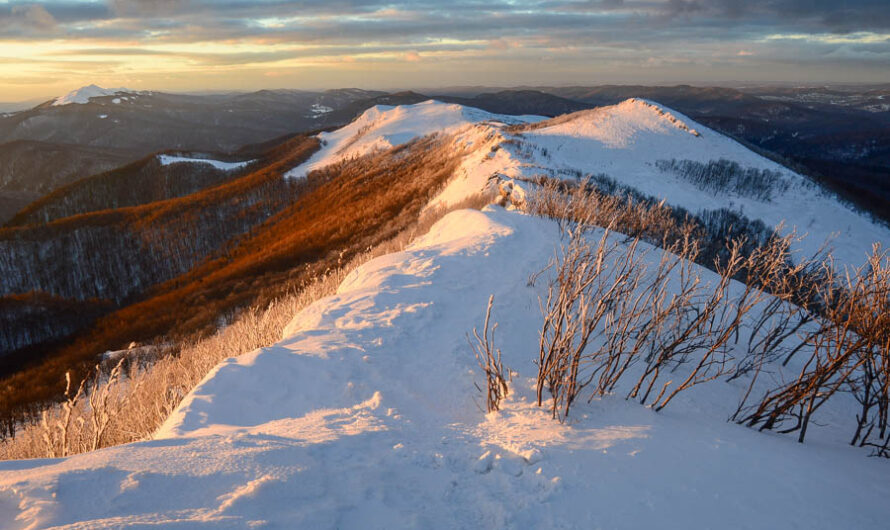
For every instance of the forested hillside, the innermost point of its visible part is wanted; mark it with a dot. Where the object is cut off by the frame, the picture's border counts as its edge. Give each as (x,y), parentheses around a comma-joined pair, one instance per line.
(141,182)
(117,255)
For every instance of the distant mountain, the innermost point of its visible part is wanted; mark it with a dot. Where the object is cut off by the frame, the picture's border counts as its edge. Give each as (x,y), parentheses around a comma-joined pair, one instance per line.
(872,98)
(83,95)
(143,122)
(93,130)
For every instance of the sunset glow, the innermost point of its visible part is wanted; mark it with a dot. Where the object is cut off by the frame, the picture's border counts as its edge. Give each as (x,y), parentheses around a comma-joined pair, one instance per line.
(48,48)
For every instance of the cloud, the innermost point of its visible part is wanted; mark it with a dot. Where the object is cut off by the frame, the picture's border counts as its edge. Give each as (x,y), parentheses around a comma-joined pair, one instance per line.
(831,15)
(568,35)
(32,16)
(149,7)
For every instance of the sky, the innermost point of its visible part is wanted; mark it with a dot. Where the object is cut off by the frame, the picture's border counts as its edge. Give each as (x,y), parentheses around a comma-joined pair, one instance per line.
(50,48)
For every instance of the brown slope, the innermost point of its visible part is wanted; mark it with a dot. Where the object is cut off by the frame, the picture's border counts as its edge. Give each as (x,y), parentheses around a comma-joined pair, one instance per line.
(345,209)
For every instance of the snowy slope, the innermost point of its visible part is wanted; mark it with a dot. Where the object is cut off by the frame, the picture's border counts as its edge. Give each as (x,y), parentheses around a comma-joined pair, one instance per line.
(363,416)
(83,95)
(626,140)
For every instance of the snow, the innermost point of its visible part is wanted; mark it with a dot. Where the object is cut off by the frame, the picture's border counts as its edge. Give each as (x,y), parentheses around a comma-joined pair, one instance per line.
(383,127)
(218,164)
(317,110)
(83,95)
(364,416)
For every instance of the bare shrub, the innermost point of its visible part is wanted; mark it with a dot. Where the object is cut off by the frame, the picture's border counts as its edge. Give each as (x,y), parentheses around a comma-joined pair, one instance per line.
(716,318)
(603,299)
(80,423)
(848,351)
(588,285)
(583,203)
(836,326)
(489,359)
(55,428)
(602,201)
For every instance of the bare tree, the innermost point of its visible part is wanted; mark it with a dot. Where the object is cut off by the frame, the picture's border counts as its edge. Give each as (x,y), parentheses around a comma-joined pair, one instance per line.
(489,359)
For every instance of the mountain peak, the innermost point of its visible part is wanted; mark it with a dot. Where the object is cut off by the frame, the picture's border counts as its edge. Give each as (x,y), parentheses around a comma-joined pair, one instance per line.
(619,124)
(83,95)
(667,114)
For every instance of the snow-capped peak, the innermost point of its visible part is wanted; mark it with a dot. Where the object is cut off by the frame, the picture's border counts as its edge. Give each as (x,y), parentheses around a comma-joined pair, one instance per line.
(618,125)
(664,113)
(385,126)
(83,95)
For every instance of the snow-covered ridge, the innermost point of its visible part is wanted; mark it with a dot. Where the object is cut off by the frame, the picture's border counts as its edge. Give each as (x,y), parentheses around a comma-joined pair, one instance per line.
(218,164)
(628,143)
(365,413)
(83,95)
(383,127)
(617,124)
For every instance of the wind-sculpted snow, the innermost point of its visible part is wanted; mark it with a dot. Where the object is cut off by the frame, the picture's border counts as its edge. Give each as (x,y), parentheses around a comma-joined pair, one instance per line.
(365,415)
